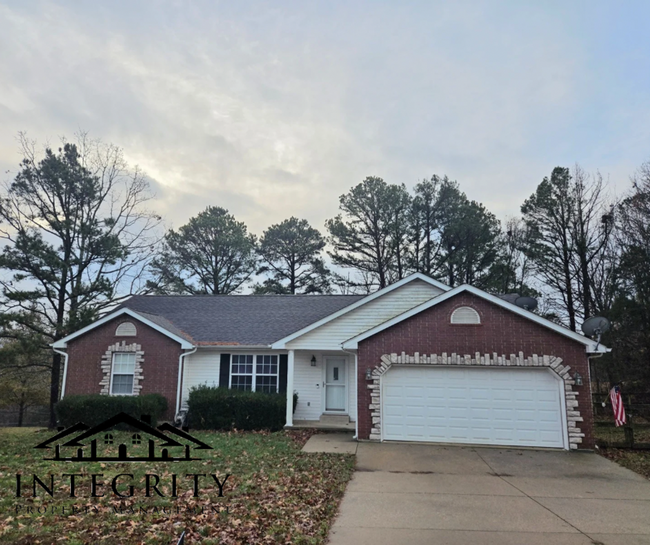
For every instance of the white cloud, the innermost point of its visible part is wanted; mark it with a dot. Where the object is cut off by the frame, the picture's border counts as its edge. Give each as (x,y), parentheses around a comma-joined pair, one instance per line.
(274,110)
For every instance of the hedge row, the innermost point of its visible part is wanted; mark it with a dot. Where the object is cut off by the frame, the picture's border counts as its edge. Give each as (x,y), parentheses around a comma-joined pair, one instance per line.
(95,408)
(223,409)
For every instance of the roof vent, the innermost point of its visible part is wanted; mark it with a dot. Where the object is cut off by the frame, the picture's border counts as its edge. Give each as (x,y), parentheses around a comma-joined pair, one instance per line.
(465,315)
(126,329)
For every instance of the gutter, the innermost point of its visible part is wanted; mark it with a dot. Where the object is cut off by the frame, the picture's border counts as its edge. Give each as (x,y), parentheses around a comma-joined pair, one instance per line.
(181,359)
(65,369)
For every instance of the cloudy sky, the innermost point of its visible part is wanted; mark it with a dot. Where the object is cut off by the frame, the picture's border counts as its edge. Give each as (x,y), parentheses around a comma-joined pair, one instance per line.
(275,109)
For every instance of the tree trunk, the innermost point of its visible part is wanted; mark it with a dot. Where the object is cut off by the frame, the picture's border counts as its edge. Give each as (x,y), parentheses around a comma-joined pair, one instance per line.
(567,284)
(21,411)
(54,388)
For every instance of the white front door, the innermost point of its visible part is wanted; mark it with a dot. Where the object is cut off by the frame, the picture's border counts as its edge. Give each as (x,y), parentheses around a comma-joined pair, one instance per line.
(335,384)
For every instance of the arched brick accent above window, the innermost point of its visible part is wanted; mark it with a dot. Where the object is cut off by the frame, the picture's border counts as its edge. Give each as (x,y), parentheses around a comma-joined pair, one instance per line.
(465,315)
(126,329)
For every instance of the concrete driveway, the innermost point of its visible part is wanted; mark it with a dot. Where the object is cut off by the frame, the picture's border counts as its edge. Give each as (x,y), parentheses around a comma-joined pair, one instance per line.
(417,494)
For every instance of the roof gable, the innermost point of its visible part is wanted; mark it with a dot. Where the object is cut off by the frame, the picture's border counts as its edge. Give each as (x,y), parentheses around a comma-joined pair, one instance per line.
(185,343)
(591,346)
(416,277)
(242,320)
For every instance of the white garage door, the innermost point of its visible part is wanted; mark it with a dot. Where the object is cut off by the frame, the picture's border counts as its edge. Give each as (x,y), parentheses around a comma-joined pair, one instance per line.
(468,405)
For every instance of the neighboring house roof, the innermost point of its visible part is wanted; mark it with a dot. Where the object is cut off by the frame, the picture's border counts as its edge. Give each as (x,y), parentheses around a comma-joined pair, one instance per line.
(280,343)
(591,345)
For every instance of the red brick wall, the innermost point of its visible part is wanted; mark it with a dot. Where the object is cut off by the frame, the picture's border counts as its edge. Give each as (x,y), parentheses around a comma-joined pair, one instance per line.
(501,331)
(159,369)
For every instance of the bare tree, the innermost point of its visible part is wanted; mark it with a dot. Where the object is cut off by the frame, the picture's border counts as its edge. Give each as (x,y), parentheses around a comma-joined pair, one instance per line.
(77,235)
(571,224)
(514,260)
(592,224)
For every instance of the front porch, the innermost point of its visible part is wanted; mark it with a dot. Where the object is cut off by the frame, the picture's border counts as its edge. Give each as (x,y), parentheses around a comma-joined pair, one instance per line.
(326,422)
(325,382)
(318,425)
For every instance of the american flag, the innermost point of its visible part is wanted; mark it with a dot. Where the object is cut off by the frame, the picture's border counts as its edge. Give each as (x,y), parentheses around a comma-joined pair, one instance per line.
(617,405)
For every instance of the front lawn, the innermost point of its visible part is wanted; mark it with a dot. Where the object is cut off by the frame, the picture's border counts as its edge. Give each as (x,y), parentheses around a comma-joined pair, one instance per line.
(275,494)
(607,432)
(637,460)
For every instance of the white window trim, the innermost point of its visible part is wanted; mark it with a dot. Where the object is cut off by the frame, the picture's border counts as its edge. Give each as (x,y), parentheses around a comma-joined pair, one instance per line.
(254,372)
(113,373)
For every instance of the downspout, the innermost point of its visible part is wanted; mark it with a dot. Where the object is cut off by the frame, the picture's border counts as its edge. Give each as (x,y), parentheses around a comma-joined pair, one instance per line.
(592,356)
(181,358)
(356,396)
(65,370)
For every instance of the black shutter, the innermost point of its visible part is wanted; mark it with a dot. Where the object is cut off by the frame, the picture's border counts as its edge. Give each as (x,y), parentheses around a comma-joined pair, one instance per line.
(224,371)
(282,381)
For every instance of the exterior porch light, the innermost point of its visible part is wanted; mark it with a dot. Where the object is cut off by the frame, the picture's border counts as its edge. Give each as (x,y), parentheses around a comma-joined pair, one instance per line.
(578,378)
(313,361)
(368,374)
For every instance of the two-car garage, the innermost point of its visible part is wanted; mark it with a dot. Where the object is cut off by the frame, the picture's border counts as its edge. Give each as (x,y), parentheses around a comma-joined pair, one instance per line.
(487,406)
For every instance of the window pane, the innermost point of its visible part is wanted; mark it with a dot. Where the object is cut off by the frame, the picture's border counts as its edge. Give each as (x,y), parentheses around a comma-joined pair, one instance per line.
(123,363)
(242,382)
(242,364)
(267,365)
(267,384)
(122,384)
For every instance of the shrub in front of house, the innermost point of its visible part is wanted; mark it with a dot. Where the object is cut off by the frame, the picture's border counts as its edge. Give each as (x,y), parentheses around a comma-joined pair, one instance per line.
(95,408)
(213,408)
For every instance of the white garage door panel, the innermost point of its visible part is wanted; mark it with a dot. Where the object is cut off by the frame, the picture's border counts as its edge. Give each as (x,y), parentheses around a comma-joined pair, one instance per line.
(468,405)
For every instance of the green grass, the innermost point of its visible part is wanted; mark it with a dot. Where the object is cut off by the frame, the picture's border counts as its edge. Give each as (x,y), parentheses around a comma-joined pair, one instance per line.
(611,434)
(636,460)
(275,494)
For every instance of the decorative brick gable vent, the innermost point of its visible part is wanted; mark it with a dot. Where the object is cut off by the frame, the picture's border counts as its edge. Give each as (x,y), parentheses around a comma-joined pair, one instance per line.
(126,329)
(465,315)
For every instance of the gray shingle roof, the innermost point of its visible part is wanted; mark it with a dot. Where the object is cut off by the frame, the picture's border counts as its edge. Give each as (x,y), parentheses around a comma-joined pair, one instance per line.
(236,319)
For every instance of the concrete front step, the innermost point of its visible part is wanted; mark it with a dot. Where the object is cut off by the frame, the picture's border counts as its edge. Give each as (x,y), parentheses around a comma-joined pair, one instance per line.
(317,424)
(337,419)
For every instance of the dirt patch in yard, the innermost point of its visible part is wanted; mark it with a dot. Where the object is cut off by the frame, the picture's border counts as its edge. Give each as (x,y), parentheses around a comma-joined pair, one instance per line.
(636,460)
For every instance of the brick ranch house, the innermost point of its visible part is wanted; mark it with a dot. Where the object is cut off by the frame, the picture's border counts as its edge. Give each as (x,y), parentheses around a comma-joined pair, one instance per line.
(416,361)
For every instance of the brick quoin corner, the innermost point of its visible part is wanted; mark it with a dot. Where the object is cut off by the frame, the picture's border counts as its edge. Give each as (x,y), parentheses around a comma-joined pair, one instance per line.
(500,331)
(159,368)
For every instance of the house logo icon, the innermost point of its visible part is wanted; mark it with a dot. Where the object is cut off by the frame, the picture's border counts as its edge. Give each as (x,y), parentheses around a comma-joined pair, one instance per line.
(97,444)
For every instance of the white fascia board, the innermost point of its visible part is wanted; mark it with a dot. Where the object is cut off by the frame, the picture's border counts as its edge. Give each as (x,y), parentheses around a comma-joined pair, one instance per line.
(591,346)
(63,343)
(415,276)
(231,349)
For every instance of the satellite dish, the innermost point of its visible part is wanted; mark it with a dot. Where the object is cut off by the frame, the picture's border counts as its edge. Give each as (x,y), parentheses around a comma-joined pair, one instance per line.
(527,303)
(595,326)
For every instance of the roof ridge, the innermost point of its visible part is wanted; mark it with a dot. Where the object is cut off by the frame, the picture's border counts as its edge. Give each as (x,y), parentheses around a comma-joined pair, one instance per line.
(267,295)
